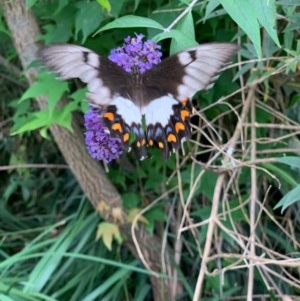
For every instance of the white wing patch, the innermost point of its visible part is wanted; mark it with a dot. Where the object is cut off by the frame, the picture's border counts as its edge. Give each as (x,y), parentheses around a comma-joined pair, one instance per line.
(202,65)
(128,110)
(101,96)
(159,110)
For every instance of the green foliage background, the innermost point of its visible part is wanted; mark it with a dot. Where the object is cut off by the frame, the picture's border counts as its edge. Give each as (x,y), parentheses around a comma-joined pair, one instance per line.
(48,229)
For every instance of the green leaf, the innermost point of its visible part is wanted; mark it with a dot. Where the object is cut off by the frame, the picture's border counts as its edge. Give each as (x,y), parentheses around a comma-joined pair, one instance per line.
(63,117)
(281,173)
(182,41)
(35,121)
(61,4)
(105,4)
(131,21)
(44,132)
(108,231)
(79,97)
(133,213)
(60,30)
(5,298)
(136,4)
(30,3)
(186,26)
(292,161)
(131,200)
(44,118)
(46,84)
(210,7)
(243,13)
(3,27)
(266,15)
(290,198)
(88,18)
(288,2)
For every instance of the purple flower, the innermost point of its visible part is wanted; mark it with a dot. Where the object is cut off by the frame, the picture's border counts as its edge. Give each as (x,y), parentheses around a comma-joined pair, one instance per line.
(135,52)
(100,144)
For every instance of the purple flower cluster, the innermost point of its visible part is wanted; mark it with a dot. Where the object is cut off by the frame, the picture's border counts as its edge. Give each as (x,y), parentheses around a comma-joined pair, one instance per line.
(133,54)
(137,53)
(100,145)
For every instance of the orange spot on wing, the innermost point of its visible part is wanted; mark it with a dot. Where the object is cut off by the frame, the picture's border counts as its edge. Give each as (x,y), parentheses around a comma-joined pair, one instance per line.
(160,145)
(117,127)
(179,126)
(184,102)
(126,137)
(110,116)
(150,142)
(171,138)
(184,114)
(141,143)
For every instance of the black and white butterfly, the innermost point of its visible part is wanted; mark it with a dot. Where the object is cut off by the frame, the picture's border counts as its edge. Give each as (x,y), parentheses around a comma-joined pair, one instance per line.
(162,95)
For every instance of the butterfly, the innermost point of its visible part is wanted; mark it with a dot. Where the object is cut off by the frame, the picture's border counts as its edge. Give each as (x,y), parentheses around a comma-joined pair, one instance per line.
(155,105)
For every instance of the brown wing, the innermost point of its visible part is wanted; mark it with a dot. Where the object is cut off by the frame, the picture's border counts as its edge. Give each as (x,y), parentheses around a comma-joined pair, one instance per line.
(187,72)
(104,79)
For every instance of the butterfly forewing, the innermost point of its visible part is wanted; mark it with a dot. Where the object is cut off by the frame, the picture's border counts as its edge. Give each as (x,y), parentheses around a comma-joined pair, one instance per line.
(190,71)
(104,79)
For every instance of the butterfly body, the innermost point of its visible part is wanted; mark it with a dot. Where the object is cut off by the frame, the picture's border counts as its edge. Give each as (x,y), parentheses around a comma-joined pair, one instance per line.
(161,95)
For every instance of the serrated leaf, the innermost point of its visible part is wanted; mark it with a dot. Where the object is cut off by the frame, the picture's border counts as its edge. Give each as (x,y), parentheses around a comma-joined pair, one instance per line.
(43,119)
(131,200)
(131,21)
(108,231)
(35,121)
(63,117)
(61,28)
(79,95)
(46,84)
(133,213)
(88,18)
(292,161)
(105,4)
(290,198)
(155,214)
(266,15)
(243,13)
